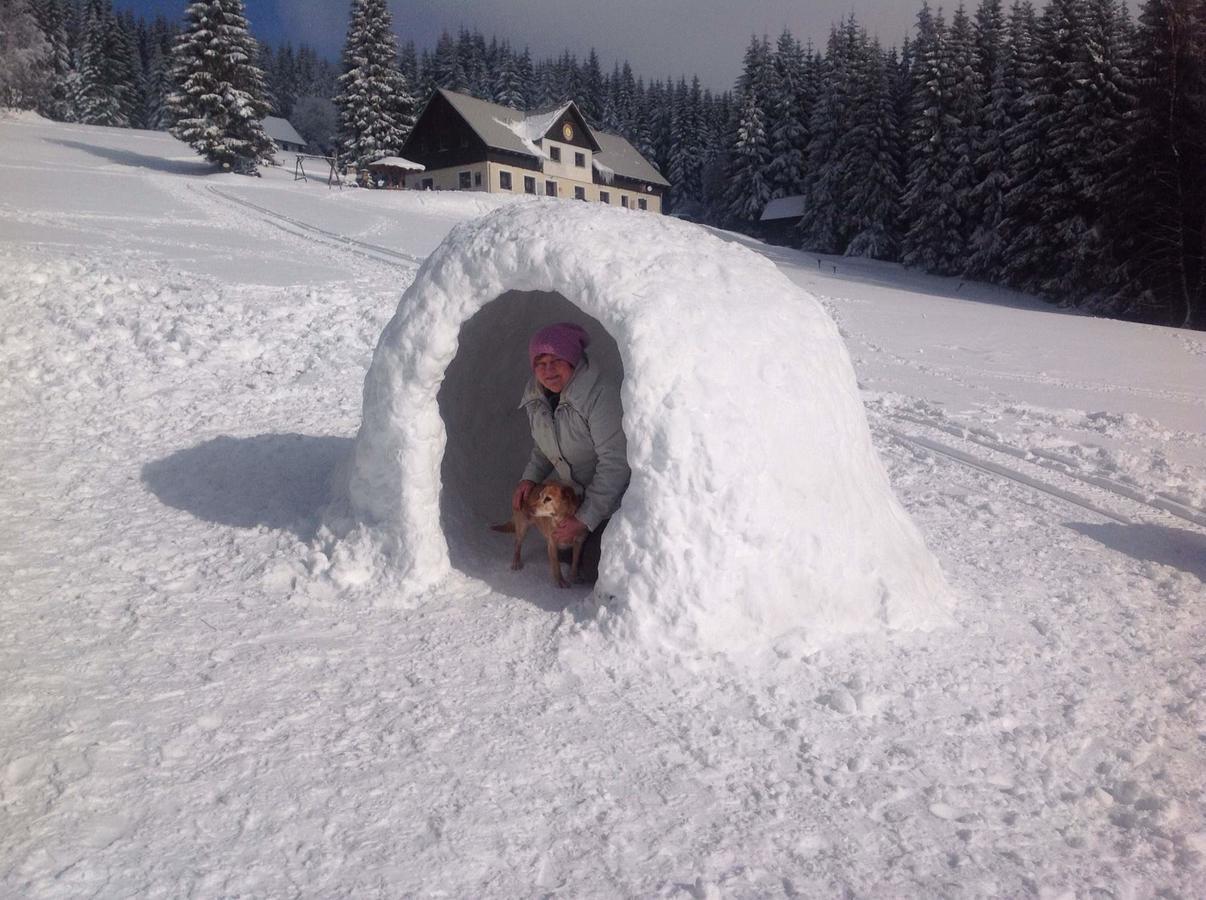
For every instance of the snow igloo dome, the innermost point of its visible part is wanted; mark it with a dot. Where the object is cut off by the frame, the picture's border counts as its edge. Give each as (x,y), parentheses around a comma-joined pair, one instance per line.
(757,506)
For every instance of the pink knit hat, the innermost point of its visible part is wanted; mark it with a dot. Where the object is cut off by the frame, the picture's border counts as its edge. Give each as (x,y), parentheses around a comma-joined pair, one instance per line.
(565,340)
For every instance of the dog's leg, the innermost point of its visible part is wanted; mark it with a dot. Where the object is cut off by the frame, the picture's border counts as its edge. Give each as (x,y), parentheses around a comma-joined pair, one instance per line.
(577,558)
(555,565)
(521,528)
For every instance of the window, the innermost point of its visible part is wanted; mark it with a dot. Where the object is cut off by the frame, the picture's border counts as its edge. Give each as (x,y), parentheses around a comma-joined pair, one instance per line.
(477,179)
(529,184)
(604,196)
(580,160)
(463,180)
(555,154)
(624,200)
(504,180)
(550,189)
(427,184)
(579,193)
(642,203)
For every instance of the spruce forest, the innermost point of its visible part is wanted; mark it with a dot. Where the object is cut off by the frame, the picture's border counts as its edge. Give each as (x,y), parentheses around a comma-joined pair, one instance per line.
(1057,149)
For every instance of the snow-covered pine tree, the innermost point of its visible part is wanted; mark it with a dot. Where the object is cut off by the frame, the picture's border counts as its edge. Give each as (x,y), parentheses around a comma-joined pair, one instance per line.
(26,58)
(642,132)
(626,99)
(1158,229)
(281,75)
(508,83)
(548,79)
(218,107)
(824,227)
(965,103)
(1041,198)
(610,116)
(1021,148)
(376,109)
(158,85)
(1088,136)
(788,119)
(660,99)
(102,94)
(52,17)
(687,151)
(408,65)
(129,71)
(749,191)
(698,136)
(902,104)
(720,121)
(158,88)
(590,94)
(471,76)
(933,239)
(993,120)
(870,159)
(527,76)
(442,69)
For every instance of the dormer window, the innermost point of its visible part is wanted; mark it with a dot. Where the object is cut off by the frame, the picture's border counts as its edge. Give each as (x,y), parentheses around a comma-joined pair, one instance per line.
(555,154)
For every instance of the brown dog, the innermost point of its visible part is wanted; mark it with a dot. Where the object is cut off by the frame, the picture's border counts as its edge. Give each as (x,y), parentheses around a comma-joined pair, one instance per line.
(546,507)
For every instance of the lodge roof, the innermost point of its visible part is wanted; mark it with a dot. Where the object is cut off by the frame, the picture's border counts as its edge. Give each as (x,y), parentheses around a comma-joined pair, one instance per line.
(516,131)
(282,130)
(784,208)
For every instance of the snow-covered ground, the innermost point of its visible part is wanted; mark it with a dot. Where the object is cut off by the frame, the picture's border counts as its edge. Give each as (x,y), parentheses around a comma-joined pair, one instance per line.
(189,708)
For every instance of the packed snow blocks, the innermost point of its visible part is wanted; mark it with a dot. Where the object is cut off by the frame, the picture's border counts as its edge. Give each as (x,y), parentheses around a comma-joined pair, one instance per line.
(757,510)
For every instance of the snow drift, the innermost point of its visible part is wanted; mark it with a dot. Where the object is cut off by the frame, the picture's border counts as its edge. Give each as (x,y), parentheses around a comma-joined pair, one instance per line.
(757,507)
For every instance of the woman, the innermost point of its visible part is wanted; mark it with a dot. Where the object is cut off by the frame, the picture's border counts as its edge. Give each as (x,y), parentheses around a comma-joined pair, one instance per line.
(577,434)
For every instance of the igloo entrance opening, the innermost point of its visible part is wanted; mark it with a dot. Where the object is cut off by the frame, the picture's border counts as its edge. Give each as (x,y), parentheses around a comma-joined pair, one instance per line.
(488,440)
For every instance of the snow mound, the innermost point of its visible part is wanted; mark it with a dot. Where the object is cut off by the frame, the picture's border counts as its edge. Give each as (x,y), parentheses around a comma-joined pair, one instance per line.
(757,509)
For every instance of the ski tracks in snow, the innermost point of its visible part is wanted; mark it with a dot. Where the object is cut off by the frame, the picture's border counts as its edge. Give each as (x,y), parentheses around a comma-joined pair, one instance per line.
(329,239)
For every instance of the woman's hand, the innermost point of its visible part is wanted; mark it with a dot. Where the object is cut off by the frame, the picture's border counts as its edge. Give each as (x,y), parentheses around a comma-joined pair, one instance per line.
(521,493)
(569,530)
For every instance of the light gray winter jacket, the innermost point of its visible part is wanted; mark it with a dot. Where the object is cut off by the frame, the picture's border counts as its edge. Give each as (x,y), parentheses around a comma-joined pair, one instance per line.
(582,441)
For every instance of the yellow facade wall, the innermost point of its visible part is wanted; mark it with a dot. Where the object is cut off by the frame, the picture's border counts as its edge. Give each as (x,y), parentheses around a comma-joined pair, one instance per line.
(449,180)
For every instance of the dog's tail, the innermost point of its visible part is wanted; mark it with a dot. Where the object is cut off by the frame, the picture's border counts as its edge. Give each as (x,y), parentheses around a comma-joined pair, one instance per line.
(506,528)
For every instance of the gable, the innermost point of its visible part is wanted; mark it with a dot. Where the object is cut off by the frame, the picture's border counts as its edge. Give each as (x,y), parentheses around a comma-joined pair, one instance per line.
(571,122)
(442,137)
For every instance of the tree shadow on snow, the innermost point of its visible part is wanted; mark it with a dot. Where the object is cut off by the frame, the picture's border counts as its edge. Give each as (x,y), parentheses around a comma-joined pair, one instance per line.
(140,160)
(1175,547)
(275,480)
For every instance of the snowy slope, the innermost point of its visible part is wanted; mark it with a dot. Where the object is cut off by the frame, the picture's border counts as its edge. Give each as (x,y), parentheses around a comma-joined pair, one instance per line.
(191,707)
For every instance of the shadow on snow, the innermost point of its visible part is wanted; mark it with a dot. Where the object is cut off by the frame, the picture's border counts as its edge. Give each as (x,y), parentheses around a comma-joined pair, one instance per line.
(142,161)
(275,480)
(1175,547)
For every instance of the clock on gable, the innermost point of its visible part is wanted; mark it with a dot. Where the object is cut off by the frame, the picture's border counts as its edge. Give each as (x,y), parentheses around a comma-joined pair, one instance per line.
(567,131)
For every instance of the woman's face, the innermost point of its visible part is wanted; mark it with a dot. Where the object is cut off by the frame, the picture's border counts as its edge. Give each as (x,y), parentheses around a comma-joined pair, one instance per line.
(552,373)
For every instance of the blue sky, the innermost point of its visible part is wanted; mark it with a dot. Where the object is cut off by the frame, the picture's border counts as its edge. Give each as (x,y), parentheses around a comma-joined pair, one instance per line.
(659,38)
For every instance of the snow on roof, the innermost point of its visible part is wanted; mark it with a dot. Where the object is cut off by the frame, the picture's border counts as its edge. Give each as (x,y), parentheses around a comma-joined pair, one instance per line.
(537,124)
(493,122)
(784,208)
(618,157)
(758,512)
(521,130)
(396,162)
(282,130)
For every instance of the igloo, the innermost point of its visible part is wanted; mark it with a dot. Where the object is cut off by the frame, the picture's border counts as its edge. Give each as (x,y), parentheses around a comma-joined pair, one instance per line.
(757,508)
